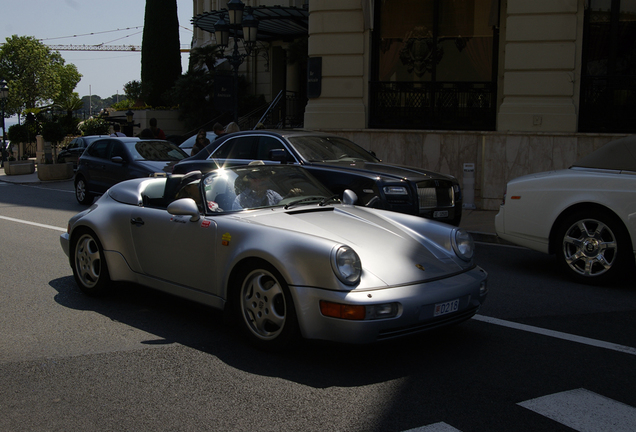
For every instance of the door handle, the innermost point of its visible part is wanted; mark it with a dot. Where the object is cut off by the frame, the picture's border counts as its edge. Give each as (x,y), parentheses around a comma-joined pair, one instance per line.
(137,221)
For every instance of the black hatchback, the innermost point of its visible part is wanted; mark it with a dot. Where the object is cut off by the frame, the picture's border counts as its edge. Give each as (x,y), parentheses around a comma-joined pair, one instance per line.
(110,160)
(74,149)
(339,164)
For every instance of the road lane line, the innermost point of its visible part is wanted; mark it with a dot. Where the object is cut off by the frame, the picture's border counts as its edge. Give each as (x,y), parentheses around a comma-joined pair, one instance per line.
(557,334)
(33,223)
(585,411)
(436,427)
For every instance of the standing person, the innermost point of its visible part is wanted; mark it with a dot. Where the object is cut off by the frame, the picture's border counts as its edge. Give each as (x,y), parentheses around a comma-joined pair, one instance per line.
(218,129)
(156,132)
(200,143)
(232,127)
(117,131)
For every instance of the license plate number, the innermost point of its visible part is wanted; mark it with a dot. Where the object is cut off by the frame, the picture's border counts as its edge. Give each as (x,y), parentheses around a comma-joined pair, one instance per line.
(440,214)
(447,307)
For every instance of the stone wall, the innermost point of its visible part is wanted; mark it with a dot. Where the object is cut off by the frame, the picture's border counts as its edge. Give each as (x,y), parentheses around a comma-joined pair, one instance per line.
(498,156)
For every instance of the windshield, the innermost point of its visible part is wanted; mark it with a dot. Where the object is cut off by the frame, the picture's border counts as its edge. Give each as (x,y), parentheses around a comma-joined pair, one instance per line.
(155,151)
(262,186)
(329,149)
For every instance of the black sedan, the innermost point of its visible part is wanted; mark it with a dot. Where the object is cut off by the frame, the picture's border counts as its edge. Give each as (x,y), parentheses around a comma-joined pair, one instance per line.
(339,164)
(74,149)
(110,160)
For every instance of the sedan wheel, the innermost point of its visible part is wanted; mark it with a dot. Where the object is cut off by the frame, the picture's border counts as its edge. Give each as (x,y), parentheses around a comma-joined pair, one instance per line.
(593,247)
(266,309)
(82,194)
(89,266)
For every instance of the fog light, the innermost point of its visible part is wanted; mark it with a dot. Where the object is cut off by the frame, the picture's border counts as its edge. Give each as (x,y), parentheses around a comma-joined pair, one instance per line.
(358,312)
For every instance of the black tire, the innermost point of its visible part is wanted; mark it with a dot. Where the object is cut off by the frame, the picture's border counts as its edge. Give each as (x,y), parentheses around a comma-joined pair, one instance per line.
(264,308)
(82,194)
(593,247)
(89,265)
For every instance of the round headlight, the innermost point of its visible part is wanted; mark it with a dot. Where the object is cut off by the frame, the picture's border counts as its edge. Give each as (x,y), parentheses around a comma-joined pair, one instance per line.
(346,264)
(463,244)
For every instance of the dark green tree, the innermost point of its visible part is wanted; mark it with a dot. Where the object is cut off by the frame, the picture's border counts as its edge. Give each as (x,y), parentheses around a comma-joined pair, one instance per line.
(160,51)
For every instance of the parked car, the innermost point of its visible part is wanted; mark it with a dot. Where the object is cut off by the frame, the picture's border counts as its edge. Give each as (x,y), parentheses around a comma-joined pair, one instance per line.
(187,145)
(584,214)
(340,164)
(74,149)
(272,246)
(107,161)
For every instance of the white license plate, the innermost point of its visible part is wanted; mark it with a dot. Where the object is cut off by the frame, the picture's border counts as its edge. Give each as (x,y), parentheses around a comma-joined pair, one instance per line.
(445,308)
(440,214)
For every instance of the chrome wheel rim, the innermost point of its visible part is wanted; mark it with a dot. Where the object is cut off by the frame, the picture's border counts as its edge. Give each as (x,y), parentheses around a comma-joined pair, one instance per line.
(80,190)
(87,261)
(589,247)
(263,305)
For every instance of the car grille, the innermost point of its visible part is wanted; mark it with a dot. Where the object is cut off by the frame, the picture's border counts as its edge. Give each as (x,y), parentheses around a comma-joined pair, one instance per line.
(435,194)
(450,319)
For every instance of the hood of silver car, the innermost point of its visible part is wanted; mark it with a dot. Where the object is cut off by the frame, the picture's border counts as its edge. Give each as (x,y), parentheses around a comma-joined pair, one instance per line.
(405,257)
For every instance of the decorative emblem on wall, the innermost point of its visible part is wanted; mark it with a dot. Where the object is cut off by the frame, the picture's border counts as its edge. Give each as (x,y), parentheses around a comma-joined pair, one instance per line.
(419,52)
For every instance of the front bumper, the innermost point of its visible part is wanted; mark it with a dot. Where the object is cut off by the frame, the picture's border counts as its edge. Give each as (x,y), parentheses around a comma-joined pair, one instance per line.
(416,312)
(65,243)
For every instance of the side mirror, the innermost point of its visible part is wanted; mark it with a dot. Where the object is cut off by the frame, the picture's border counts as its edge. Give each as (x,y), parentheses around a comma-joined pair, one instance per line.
(185,207)
(117,159)
(349,197)
(279,155)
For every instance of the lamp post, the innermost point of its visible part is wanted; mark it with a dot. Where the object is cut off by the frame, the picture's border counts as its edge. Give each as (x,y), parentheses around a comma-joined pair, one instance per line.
(222,29)
(4,94)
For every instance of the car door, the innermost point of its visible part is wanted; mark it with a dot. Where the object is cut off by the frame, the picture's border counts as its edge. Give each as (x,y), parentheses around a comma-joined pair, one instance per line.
(237,151)
(117,170)
(173,248)
(268,143)
(94,164)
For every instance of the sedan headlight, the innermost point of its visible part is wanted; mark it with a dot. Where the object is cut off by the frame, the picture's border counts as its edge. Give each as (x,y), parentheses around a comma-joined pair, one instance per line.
(463,244)
(346,264)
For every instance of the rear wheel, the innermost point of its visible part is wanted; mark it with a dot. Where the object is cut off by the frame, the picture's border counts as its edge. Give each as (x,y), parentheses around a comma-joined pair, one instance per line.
(82,194)
(265,308)
(89,265)
(593,246)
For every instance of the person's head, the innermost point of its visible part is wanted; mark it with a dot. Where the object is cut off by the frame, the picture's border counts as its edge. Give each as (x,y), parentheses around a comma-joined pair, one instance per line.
(218,128)
(153,122)
(201,134)
(232,127)
(116,127)
(257,181)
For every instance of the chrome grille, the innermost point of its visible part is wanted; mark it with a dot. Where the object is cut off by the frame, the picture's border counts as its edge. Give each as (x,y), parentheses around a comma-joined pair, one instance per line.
(435,194)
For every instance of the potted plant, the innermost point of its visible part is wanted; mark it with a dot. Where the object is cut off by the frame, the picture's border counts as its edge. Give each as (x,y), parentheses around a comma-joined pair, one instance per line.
(18,134)
(53,132)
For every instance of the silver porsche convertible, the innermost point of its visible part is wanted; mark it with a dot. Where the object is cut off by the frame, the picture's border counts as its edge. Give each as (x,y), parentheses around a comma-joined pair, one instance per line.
(273,247)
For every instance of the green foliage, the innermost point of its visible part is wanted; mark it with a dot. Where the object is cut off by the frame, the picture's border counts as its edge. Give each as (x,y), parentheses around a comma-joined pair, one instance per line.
(18,133)
(160,51)
(94,126)
(123,105)
(35,75)
(53,132)
(132,89)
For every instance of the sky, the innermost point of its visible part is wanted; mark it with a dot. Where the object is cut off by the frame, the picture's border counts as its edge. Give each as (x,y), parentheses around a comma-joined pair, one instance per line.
(91,22)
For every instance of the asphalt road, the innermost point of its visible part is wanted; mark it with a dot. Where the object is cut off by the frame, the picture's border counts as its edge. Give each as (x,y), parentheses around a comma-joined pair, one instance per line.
(543,354)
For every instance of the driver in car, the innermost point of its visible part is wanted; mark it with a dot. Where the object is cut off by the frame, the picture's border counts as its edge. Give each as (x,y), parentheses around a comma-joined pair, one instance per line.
(256,194)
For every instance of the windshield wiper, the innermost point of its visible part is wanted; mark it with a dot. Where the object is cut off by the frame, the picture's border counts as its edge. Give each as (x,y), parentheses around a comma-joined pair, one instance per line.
(326,200)
(303,200)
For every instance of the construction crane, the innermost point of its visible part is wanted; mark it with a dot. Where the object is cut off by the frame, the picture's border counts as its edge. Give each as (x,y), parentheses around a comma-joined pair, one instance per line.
(101,47)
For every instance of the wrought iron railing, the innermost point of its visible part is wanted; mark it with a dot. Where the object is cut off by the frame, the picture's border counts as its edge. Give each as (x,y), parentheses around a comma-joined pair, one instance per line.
(608,104)
(428,105)
(282,112)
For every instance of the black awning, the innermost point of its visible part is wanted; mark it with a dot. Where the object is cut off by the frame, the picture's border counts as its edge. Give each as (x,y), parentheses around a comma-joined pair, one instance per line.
(274,22)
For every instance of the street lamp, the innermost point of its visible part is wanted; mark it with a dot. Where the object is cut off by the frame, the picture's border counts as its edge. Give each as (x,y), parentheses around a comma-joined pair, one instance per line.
(4,94)
(222,29)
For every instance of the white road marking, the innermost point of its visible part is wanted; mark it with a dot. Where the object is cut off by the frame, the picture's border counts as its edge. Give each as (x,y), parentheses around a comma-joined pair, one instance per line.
(585,411)
(436,427)
(33,223)
(557,334)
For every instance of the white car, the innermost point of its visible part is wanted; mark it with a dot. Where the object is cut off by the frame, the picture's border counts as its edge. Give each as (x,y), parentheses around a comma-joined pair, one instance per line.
(586,214)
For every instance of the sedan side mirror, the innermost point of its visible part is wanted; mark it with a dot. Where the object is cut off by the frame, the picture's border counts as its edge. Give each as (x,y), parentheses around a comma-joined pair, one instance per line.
(117,159)
(279,155)
(185,207)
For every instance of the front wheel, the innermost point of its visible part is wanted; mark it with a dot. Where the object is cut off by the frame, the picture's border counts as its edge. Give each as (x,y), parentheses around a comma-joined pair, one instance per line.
(82,194)
(89,265)
(593,247)
(265,308)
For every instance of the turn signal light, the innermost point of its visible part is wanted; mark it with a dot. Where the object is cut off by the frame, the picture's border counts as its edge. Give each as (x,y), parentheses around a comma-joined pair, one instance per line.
(336,310)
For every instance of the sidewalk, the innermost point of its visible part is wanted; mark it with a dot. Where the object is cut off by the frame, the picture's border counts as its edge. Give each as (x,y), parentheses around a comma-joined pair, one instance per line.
(480,223)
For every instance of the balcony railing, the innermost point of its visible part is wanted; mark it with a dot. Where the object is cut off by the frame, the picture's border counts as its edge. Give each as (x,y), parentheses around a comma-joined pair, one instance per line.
(428,105)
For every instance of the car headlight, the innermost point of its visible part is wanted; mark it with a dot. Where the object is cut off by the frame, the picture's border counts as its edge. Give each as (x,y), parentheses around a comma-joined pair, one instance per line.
(346,264)
(463,244)
(395,190)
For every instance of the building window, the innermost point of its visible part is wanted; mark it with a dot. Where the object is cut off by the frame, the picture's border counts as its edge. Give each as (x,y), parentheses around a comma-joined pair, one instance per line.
(433,64)
(608,75)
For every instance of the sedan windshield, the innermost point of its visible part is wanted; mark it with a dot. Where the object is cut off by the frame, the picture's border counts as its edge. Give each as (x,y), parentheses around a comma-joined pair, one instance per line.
(155,151)
(262,186)
(329,149)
